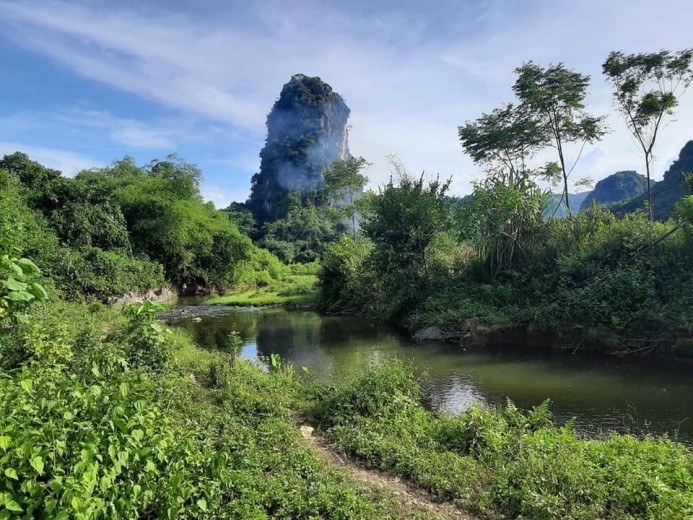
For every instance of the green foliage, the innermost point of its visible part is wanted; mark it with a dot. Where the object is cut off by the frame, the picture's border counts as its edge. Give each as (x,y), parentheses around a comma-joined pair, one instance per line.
(74,448)
(19,286)
(383,391)
(505,461)
(243,218)
(167,220)
(93,273)
(68,243)
(554,97)
(301,235)
(503,141)
(342,275)
(647,87)
(82,436)
(402,221)
(344,185)
(500,221)
(145,337)
(28,172)
(291,289)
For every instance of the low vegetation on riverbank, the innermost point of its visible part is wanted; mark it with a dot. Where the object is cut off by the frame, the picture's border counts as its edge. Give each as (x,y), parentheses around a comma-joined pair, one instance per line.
(627,277)
(298,286)
(140,422)
(505,461)
(112,415)
(107,413)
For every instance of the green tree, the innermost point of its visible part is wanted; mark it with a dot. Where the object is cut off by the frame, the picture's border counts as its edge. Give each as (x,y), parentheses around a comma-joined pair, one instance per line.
(30,173)
(344,183)
(301,236)
(241,215)
(168,221)
(503,207)
(502,142)
(402,221)
(647,87)
(555,98)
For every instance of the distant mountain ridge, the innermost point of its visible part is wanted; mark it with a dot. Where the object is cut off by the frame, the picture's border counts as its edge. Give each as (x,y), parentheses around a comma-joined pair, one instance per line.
(617,187)
(625,191)
(576,201)
(667,192)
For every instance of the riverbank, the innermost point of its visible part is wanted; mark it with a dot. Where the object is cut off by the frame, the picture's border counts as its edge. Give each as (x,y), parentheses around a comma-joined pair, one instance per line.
(595,281)
(477,334)
(297,289)
(106,414)
(504,461)
(116,388)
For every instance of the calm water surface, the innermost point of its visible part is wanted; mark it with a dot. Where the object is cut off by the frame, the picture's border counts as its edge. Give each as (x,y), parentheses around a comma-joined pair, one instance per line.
(603,394)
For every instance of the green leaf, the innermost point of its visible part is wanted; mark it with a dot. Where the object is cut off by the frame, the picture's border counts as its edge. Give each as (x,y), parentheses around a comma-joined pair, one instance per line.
(11,504)
(11,473)
(38,291)
(4,442)
(21,318)
(19,296)
(37,464)
(28,266)
(202,504)
(27,385)
(16,268)
(14,285)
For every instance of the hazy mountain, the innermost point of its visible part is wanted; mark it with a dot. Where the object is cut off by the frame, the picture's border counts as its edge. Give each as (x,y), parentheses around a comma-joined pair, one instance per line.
(306,131)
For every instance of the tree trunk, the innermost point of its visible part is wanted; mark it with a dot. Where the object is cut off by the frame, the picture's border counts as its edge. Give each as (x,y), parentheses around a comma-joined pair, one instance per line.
(649,188)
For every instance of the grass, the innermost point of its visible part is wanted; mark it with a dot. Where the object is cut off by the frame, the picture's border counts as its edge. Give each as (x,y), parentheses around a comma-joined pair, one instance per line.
(293,290)
(504,461)
(84,434)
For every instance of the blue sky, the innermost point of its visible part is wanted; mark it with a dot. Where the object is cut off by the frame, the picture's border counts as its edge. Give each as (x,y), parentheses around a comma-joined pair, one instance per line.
(87,82)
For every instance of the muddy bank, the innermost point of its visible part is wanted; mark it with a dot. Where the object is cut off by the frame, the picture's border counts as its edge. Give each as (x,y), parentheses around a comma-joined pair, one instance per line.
(158,294)
(475,334)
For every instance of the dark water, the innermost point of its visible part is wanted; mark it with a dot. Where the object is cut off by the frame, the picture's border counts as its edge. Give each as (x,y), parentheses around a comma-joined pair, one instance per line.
(603,394)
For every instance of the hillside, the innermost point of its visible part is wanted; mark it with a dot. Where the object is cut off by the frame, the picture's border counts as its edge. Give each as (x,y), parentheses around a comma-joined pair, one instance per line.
(576,200)
(668,191)
(617,187)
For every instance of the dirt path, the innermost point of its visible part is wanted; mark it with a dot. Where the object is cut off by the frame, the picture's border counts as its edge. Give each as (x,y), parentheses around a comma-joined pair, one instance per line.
(403,498)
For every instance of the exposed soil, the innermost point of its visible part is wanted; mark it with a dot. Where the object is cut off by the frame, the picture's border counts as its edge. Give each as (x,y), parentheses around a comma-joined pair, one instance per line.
(402,498)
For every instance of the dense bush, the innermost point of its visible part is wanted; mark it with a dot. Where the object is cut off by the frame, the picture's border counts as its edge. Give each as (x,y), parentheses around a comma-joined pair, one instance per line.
(124,419)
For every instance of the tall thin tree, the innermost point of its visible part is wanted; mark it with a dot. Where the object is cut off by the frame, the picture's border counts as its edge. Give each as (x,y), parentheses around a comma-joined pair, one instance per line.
(647,87)
(555,96)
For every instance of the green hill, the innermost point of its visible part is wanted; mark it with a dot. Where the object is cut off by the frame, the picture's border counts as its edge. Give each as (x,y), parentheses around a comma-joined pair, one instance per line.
(667,192)
(576,201)
(617,187)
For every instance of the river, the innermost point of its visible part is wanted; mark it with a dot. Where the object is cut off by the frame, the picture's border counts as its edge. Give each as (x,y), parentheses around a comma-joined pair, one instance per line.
(603,394)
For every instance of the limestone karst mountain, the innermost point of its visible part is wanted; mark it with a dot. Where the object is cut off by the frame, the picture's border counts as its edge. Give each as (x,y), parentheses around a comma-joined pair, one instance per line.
(306,131)
(667,192)
(616,188)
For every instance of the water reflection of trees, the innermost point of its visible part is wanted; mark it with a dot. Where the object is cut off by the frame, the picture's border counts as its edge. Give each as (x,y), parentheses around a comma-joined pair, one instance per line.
(341,346)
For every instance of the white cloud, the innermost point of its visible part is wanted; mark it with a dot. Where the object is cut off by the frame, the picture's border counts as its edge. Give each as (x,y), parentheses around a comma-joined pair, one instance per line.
(410,72)
(69,163)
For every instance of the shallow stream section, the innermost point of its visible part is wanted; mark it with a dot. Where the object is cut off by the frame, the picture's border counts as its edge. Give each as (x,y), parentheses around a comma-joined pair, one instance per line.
(603,394)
